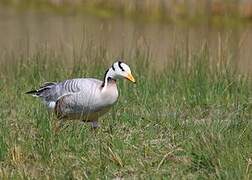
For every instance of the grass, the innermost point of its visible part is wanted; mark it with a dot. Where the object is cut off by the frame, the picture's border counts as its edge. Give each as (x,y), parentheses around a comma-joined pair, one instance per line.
(192,120)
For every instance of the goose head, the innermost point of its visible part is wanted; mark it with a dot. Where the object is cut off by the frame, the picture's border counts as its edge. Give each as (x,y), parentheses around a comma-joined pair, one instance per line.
(118,70)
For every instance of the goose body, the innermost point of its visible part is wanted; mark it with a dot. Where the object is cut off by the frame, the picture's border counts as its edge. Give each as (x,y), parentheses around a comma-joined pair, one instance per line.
(84,99)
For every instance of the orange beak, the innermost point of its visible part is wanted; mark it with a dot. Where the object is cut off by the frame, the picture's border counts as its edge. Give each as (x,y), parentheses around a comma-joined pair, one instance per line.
(131,78)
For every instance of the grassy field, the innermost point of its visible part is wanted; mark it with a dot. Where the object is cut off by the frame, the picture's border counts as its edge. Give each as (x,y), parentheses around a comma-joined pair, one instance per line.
(190,120)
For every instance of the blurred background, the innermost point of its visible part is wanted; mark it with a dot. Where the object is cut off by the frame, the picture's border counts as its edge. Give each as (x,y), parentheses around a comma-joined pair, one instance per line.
(118,28)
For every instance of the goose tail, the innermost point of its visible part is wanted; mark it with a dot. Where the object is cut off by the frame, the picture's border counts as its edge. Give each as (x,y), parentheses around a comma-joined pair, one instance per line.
(41,91)
(33,93)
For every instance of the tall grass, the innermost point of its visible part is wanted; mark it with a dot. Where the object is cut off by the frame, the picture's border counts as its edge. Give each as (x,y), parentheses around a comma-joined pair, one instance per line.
(190,120)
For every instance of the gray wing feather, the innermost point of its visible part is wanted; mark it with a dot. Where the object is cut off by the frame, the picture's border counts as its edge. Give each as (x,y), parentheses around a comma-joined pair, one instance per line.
(74,86)
(70,86)
(51,92)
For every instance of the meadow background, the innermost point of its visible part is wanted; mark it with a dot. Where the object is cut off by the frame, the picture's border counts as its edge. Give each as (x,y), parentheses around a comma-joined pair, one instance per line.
(188,117)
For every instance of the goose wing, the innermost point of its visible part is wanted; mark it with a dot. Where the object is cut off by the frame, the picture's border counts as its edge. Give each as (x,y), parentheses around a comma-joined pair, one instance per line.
(77,96)
(51,92)
(85,87)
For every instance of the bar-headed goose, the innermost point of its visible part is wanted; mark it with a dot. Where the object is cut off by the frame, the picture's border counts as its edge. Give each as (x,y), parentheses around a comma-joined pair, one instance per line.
(84,99)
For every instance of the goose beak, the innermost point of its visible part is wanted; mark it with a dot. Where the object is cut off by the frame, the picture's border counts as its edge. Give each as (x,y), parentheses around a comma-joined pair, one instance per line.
(131,78)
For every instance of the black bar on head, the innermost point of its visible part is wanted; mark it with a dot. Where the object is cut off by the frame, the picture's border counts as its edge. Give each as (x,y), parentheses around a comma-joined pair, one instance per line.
(120,66)
(113,67)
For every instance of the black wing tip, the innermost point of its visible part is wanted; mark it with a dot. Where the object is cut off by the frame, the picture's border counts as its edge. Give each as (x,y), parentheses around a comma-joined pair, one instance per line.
(47,84)
(31,92)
